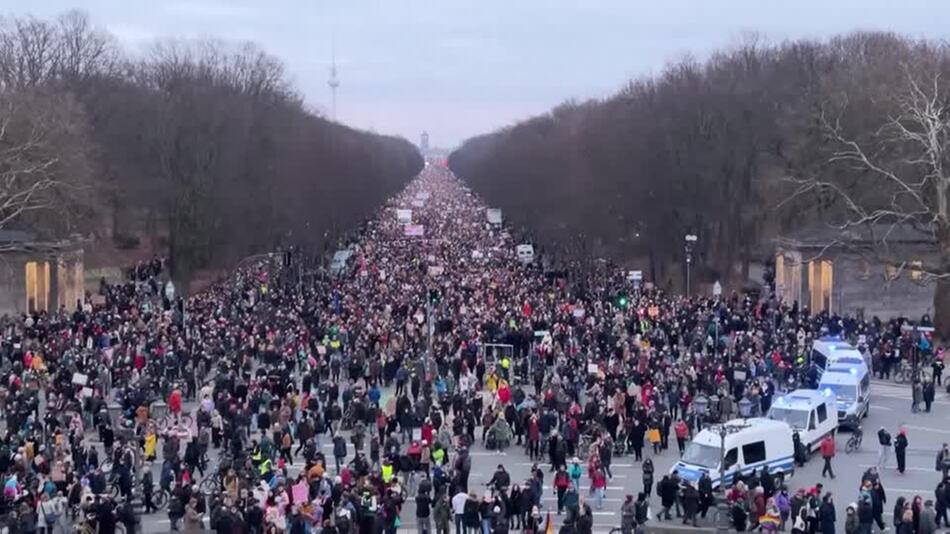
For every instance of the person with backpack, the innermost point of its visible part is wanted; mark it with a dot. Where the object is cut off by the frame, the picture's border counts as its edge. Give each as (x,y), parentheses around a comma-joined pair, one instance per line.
(642,509)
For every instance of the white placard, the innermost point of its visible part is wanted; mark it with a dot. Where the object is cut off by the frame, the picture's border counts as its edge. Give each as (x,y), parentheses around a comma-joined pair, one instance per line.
(80,379)
(404,216)
(494,215)
(418,203)
(414,230)
(525,253)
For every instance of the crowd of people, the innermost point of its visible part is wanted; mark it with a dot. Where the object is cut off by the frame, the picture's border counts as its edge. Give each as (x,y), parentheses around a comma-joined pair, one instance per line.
(434,337)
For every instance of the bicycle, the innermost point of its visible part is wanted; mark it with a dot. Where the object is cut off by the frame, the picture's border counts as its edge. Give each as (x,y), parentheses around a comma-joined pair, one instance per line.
(854,442)
(904,373)
(171,422)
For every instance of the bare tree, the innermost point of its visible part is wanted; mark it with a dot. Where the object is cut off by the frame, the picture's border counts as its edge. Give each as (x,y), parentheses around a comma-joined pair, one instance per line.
(44,163)
(30,52)
(903,186)
(84,50)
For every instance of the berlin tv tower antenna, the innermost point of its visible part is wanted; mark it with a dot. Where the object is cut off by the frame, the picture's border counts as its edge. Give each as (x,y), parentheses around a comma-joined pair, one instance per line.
(333,82)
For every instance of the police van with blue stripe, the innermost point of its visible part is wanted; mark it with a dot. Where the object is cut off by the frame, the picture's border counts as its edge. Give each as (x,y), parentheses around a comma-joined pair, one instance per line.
(740,445)
(811,413)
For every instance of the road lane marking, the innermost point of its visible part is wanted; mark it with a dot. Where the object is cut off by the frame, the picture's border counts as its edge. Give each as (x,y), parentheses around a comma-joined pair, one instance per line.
(606,499)
(545,464)
(906,469)
(908,491)
(609,488)
(927,429)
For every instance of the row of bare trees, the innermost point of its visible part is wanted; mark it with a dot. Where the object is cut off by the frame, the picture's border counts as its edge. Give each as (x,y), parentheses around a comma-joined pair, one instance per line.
(759,140)
(209,142)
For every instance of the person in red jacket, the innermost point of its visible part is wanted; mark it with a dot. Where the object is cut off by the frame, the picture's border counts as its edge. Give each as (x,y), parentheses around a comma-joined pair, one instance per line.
(174,403)
(828,452)
(598,484)
(682,434)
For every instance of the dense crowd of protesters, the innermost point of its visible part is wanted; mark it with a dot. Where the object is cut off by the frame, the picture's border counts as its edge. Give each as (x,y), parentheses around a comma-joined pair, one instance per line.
(421,346)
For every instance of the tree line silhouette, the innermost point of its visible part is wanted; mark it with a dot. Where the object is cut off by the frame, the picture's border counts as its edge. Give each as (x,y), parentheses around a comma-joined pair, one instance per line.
(205,143)
(745,146)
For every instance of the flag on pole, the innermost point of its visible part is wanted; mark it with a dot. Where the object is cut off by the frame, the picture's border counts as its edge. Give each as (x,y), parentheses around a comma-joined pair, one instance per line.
(549,526)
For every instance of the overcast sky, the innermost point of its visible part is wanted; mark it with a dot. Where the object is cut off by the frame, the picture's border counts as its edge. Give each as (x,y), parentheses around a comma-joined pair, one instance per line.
(460,68)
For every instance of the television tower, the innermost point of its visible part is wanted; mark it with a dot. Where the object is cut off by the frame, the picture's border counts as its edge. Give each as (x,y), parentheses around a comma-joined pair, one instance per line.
(334,83)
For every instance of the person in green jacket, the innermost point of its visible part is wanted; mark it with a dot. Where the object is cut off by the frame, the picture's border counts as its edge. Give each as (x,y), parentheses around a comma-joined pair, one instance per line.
(442,515)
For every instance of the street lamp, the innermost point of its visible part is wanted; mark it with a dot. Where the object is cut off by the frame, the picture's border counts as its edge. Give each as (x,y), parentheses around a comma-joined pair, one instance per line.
(701,405)
(714,407)
(716,341)
(915,333)
(690,243)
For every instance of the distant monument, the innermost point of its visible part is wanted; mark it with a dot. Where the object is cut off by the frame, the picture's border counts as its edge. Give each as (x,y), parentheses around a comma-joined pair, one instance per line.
(424,143)
(334,83)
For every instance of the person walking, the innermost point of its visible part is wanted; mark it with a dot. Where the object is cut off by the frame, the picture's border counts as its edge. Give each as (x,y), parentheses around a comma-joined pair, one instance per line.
(666,489)
(423,511)
(682,435)
(917,394)
(561,482)
(938,367)
(826,515)
(929,393)
(900,450)
(648,476)
(927,522)
(878,500)
(827,453)
(941,503)
(884,445)
(628,515)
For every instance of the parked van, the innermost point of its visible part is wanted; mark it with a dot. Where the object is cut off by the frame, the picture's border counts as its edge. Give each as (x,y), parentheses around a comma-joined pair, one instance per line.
(811,413)
(851,386)
(750,445)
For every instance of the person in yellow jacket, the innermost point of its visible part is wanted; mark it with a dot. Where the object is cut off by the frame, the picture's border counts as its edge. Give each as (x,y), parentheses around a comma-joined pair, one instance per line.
(151,441)
(387,472)
(491,382)
(265,467)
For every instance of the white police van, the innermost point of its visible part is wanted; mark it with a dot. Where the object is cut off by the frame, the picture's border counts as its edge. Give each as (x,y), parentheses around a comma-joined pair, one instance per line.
(750,445)
(850,383)
(811,413)
(827,351)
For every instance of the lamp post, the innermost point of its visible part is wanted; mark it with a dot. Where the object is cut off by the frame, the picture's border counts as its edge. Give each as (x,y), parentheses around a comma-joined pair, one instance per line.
(690,243)
(715,407)
(716,341)
(915,333)
(701,405)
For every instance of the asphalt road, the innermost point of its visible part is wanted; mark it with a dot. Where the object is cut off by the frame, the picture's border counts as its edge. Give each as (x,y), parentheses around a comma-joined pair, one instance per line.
(890,407)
